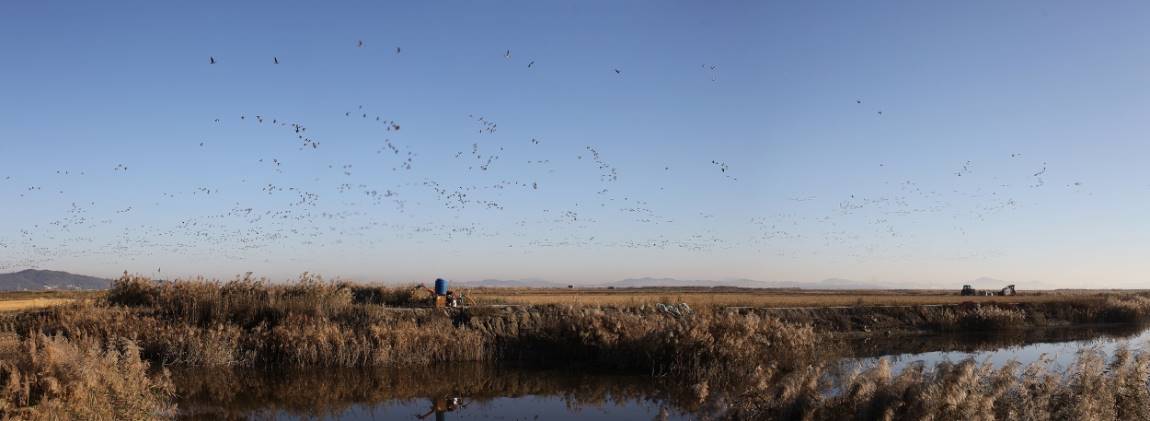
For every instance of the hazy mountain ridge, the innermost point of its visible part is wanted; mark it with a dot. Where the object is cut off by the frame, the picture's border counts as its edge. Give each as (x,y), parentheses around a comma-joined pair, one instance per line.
(511,283)
(49,280)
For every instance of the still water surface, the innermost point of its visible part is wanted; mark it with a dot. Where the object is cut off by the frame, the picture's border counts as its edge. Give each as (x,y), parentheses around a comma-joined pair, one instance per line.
(450,392)
(485,392)
(1059,346)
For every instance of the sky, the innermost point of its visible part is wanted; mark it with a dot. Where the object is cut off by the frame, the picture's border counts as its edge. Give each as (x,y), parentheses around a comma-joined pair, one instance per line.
(900,142)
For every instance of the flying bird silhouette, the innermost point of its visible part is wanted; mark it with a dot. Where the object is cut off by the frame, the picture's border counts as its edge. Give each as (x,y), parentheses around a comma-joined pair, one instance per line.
(211,60)
(276,60)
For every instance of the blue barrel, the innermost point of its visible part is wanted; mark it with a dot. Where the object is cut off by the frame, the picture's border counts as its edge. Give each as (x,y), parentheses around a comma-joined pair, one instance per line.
(440,286)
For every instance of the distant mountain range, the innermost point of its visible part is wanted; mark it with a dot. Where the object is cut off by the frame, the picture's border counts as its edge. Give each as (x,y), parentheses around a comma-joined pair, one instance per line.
(511,283)
(48,280)
(833,283)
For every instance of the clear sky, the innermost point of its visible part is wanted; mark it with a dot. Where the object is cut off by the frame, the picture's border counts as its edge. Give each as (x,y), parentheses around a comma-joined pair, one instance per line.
(1011,143)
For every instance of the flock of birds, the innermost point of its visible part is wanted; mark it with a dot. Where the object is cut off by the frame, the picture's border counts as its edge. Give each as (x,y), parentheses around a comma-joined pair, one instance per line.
(711,69)
(336,208)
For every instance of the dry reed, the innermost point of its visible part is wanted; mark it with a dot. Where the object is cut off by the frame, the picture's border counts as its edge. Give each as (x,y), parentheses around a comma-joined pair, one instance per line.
(1094,388)
(53,378)
(747,364)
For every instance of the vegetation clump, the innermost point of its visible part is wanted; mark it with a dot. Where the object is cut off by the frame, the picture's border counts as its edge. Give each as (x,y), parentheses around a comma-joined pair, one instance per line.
(314,323)
(55,378)
(1094,388)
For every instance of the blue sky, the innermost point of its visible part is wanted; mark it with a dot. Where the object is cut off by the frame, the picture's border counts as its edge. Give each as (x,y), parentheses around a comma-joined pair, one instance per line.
(976,98)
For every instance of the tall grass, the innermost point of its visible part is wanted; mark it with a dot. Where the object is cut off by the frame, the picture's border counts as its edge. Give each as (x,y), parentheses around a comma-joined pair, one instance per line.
(1094,388)
(1116,308)
(745,364)
(53,378)
(312,323)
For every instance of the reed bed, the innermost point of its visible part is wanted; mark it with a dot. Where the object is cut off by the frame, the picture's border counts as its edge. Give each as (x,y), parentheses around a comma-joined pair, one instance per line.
(1094,388)
(54,378)
(1107,309)
(312,323)
(249,322)
(741,363)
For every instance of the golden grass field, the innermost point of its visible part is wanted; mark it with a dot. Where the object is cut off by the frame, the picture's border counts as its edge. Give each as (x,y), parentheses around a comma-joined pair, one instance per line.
(762,298)
(20,301)
(31,303)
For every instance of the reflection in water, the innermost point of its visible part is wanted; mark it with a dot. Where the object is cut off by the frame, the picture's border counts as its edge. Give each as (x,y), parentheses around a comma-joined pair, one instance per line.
(482,391)
(441,406)
(465,391)
(1059,345)
(974,342)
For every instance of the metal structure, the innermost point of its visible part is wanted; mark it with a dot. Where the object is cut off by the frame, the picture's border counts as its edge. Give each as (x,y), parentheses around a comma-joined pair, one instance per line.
(442,297)
(968,290)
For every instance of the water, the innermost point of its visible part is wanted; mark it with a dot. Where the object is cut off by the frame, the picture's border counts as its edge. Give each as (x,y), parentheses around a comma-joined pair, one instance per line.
(1059,346)
(486,392)
(461,391)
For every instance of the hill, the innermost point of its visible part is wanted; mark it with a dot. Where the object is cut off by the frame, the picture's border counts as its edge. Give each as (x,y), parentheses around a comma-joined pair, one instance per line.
(49,280)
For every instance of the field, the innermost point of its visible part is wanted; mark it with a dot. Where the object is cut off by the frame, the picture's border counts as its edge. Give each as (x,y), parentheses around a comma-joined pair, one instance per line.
(695,297)
(765,298)
(28,300)
(31,303)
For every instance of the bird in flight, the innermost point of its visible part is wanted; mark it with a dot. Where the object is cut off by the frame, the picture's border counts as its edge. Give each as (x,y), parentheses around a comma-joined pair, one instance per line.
(617,71)
(276,60)
(397,50)
(1042,171)
(359,43)
(530,64)
(713,70)
(211,60)
(507,55)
